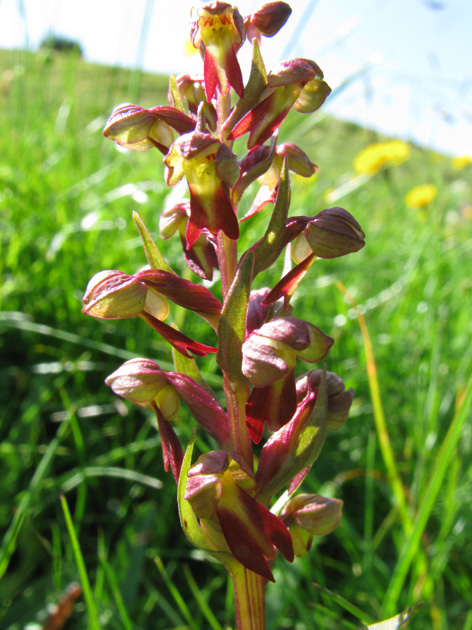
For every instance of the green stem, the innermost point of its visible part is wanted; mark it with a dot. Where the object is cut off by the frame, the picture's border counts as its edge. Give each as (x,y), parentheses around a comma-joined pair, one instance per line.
(249,599)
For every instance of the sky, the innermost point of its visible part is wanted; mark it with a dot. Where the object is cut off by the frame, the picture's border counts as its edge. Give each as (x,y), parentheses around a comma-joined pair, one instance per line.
(402,67)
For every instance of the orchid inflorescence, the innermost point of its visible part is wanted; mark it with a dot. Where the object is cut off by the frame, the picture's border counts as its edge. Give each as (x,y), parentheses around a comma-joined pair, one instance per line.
(225,497)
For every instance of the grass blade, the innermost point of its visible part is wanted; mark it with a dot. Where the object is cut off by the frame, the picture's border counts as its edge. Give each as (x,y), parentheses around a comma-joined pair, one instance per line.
(379,417)
(179,600)
(79,559)
(9,540)
(114,587)
(441,464)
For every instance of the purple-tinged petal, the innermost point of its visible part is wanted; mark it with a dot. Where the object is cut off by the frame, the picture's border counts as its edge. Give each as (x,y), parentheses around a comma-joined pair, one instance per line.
(144,383)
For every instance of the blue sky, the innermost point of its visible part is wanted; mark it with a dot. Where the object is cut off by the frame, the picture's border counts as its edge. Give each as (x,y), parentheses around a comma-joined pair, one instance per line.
(406,64)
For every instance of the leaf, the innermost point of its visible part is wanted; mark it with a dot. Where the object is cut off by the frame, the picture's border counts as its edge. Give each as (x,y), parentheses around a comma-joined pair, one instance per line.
(232,324)
(395,622)
(153,255)
(268,249)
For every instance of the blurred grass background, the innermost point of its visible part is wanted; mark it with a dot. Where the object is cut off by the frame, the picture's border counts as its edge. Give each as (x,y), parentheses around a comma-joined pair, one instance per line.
(66,197)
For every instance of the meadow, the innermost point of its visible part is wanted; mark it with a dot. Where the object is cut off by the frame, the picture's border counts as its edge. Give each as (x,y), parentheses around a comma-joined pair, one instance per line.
(402,463)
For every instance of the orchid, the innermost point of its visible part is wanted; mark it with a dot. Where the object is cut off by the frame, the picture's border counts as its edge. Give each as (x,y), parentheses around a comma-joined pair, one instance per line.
(226,497)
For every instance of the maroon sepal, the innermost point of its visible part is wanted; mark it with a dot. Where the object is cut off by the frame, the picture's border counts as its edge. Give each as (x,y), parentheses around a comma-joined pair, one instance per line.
(221,216)
(174,118)
(177,340)
(183,292)
(210,72)
(288,284)
(254,552)
(205,409)
(200,259)
(274,404)
(172,452)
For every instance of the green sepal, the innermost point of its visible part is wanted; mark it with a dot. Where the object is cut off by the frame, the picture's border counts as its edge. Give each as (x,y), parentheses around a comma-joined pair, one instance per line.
(312,438)
(153,255)
(188,520)
(232,324)
(174,93)
(256,85)
(269,248)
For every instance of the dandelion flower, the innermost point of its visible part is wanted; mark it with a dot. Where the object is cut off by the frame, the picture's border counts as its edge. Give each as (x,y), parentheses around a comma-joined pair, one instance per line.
(376,156)
(461,161)
(421,196)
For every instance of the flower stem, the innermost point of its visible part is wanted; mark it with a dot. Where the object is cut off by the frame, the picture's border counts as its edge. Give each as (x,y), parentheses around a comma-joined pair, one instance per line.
(249,599)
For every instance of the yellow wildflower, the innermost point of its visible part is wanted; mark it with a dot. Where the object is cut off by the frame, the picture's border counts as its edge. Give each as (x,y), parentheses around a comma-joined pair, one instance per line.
(461,161)
(376,156)
(421,196)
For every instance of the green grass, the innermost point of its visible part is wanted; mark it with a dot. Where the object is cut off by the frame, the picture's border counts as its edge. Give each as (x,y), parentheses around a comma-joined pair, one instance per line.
(66,197)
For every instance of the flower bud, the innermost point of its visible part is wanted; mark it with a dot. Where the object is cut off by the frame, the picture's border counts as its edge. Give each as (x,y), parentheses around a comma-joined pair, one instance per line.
(143,382)
(332,233)
(309,515)
(116,295)
(339,399)
(138,129)
(270,352)
(112,294)
(268,20)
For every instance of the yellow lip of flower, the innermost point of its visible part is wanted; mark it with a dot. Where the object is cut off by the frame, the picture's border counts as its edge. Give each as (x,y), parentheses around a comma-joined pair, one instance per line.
(421,196)
(374,157)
